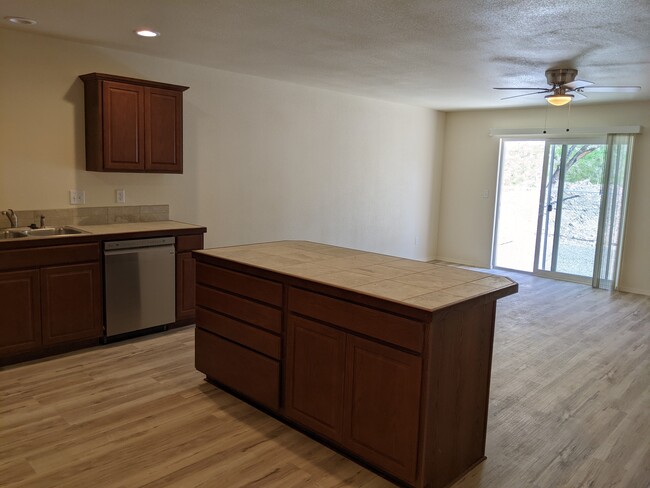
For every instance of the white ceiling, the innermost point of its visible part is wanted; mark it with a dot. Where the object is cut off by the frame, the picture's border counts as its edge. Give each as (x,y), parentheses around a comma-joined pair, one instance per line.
(444,54)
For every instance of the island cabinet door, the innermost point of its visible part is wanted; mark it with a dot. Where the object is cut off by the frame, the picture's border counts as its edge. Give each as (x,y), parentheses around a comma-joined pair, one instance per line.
(383,406)
(315,376)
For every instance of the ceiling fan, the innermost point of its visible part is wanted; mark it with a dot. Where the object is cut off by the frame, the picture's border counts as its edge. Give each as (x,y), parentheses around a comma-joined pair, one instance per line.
(564,87)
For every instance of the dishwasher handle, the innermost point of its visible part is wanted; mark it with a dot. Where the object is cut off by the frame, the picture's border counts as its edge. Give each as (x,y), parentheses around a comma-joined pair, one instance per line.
(111,246)
(138,250)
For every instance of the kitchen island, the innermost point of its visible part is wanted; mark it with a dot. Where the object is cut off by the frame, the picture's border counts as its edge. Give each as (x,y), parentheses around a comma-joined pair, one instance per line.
(385,359)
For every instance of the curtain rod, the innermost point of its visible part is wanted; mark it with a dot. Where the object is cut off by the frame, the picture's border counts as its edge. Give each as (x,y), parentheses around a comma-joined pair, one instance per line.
(622,129)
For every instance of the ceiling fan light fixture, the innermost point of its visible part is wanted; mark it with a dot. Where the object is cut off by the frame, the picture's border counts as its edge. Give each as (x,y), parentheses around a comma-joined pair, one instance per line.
(558,100)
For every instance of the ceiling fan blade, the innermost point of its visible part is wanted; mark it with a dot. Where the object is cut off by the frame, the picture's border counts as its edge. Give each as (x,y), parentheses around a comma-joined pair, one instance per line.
(526,94)
(577,96)
(610,89)
(536,88)
(577,84)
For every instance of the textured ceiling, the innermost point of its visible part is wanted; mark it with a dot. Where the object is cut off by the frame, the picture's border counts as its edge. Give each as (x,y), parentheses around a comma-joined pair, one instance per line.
(444,54)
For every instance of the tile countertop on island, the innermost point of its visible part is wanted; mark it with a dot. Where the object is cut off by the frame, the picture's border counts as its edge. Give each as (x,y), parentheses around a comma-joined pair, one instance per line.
(419,284)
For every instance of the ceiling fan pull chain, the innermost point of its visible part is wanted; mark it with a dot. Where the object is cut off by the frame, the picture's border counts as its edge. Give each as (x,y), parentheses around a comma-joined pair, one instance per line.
(568,118)
(545,118)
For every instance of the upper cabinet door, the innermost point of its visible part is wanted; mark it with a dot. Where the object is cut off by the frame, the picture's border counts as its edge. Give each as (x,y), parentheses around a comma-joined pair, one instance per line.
(163,111)
(124,126)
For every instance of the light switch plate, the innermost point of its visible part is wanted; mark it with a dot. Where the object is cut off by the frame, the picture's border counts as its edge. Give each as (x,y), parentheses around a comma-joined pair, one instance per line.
(120,196)
(77,197)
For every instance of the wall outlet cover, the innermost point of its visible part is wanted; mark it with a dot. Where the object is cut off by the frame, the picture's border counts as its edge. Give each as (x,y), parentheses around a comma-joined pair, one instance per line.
(120,196)
(77,197)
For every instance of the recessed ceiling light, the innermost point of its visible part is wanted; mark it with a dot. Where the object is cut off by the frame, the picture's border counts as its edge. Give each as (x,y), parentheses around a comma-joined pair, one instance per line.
(20,20)
(147,33)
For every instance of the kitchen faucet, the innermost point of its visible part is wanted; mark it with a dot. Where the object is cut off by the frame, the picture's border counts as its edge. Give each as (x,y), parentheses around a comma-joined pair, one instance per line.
(11,215)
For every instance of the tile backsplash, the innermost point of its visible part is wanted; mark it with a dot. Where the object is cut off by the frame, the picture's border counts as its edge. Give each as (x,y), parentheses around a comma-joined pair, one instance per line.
(93,215)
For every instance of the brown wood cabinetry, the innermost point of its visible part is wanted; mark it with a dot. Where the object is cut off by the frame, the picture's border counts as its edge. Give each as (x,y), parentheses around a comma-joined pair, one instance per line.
(55,303)
(133,125)
(20,302)
(186,277)
(238,341)
(358,392)
(51,293)
(401,387)
(382,407)
(315,376)
(71,303)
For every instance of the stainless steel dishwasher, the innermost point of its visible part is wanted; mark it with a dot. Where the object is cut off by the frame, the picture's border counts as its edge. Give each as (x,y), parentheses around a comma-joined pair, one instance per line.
(140,284)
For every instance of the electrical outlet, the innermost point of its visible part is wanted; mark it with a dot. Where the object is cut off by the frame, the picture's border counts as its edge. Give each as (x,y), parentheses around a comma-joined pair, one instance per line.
(120,196)
(485,194)
(77,197)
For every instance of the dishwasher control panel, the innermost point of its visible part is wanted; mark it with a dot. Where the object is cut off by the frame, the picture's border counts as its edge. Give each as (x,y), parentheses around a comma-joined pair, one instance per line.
(136,243)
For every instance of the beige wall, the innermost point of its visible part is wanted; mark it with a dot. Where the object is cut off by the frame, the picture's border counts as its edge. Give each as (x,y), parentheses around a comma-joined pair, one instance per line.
(264,160)
(470,166)
(267,160)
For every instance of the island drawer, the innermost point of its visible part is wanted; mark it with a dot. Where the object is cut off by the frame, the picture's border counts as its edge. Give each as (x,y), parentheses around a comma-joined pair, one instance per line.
(239,332)
(242,284)
(251,374)
(255,313)
(378,324)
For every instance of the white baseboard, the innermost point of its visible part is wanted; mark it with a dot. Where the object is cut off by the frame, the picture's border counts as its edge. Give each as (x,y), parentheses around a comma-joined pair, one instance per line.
(636,291)
(462,262)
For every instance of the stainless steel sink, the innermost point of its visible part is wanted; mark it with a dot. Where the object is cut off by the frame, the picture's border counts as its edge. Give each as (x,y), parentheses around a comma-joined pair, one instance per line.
(53,231)
(23,232)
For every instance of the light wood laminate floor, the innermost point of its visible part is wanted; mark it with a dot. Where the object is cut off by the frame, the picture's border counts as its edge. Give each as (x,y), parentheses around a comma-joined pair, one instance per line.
(569,407)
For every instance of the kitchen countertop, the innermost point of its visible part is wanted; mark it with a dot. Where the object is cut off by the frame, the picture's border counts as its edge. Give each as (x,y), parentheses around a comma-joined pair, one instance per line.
(136,227)
(418,284)
(94,233)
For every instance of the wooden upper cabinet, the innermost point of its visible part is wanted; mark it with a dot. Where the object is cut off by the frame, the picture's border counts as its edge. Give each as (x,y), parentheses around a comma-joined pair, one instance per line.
(164,120)
(123,121)
(133,125)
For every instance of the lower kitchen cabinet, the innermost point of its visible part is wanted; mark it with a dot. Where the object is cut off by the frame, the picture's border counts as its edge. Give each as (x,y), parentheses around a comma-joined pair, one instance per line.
(51,300)
(315,376)
(71,303)
(254,375)
(52,293)
(185,288)
(382,405)
(359,393)
(186,276)
(20,322)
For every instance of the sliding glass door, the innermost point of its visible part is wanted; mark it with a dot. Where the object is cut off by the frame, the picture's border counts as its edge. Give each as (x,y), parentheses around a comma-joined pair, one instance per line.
(560,207)
(569,209)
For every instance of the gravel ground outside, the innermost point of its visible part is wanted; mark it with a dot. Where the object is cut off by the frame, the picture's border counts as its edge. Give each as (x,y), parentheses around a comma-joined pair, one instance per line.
(519,210)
